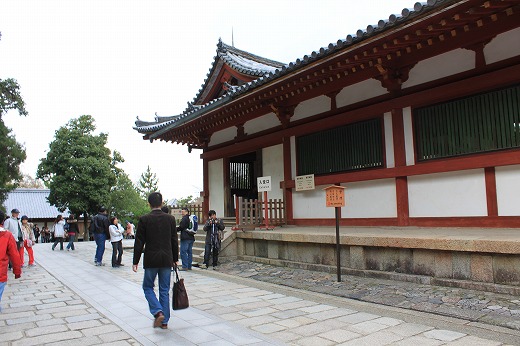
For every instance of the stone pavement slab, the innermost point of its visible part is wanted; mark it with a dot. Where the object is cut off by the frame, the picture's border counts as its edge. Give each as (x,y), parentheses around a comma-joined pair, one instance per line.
(91,305)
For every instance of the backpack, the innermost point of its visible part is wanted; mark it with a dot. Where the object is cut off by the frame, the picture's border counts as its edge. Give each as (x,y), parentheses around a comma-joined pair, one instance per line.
(194,225)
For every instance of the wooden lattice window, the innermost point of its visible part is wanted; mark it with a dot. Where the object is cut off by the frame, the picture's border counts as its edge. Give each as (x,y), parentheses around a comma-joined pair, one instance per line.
(346,148)
(475,124)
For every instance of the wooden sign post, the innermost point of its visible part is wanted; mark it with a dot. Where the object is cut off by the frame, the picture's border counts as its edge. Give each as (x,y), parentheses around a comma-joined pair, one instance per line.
(264,185)
(335,198)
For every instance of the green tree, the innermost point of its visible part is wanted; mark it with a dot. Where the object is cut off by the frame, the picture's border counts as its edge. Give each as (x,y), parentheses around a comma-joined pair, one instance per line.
(125,201)
(79,169)
(12,155)
(184,201)
(148,183)
(10,97)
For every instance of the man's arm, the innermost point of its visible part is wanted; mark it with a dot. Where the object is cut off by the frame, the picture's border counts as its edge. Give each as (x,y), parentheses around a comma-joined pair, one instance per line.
(14,257)
(140,240)
(174,241)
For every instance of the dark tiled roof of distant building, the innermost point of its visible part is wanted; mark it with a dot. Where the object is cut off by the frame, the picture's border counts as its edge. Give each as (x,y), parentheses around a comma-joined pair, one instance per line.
(394,20)
(33,203)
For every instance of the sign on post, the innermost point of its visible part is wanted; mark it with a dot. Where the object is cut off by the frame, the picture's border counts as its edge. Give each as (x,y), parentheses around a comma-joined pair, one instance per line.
(305,182)
(263,183)
(335,196)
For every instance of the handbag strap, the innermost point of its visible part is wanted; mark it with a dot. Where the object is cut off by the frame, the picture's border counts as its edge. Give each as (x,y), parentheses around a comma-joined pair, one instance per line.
(176,278)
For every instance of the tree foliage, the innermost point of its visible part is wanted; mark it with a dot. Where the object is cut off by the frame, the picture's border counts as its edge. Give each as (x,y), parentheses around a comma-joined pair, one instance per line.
(124,200)
(12,155)
(148,183)
(29,182)
(79,169)
(10,97)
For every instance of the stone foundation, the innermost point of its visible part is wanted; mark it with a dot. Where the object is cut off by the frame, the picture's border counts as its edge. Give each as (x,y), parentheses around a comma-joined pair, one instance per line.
(461,263)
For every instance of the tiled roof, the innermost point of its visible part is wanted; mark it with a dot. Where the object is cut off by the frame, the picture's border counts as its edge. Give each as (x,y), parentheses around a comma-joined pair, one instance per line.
(394,20)
(33,203)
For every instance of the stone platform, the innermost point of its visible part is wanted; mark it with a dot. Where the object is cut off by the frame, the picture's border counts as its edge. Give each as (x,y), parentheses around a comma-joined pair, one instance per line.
(478,258)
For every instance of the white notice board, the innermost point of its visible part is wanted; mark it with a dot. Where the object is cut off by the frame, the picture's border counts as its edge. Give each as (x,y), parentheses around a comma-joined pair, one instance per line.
(305,182)
(263,183)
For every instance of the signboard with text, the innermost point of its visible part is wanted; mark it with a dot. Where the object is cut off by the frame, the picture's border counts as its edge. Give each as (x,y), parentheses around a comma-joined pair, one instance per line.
(263,183)
(335,196)
(304,182)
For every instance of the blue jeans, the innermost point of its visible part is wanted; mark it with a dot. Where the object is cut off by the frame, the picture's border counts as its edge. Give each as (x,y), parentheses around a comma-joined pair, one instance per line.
(100,239)
(187,253)
(2,286)
(163,304)
(71,242)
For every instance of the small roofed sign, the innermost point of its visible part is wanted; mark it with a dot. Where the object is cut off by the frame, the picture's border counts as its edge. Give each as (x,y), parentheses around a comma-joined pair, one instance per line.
(263,183)
(335,196)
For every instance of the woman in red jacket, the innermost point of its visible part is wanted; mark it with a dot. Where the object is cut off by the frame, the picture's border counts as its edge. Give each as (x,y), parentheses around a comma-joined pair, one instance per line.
(8,251)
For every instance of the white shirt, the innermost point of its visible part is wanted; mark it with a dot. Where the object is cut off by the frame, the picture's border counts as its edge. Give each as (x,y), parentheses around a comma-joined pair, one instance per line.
(116,233)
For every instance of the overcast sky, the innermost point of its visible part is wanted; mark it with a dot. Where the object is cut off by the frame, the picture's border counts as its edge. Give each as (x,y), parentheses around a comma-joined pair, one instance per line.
(117,60)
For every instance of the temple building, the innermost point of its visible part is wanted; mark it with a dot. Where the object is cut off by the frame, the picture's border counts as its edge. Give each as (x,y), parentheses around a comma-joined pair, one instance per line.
(418,117)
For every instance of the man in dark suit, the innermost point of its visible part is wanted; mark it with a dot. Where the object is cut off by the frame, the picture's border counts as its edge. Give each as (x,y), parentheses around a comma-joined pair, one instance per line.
(157,230)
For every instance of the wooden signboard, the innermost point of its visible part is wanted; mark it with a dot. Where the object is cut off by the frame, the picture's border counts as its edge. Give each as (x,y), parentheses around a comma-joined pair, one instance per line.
(335,196)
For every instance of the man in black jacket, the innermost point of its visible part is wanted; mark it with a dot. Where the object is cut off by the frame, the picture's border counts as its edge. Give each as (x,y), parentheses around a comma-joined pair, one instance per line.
(187,240)
(101,234)
(213,229)
(157,230)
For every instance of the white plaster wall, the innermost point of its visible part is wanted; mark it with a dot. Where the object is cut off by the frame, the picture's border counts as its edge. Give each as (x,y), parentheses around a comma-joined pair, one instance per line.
(460,193)
(293,157)
(408,136)
(389,141)
(370,199)
(311,107)
(223,136)
(262,123)
(216,185)
(443,65)
(272,164)
(359,92)
(311,204)
(504,46)
(508,190)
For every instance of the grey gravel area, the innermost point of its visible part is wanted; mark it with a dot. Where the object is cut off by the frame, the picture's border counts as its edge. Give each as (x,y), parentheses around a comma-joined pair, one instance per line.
(485,307)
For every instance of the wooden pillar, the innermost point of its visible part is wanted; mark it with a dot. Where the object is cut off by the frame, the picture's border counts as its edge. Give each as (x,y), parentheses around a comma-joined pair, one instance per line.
(491,191)
(205,192)
(401,183)
(287,176)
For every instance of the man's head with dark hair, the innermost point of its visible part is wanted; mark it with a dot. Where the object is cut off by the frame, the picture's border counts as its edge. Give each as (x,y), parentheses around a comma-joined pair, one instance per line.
(185,211)
(155,200)
(165,209)
(102,210)
(212,212)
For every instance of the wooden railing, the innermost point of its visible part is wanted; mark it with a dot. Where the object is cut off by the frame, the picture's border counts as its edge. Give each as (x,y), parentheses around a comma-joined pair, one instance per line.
(250,213)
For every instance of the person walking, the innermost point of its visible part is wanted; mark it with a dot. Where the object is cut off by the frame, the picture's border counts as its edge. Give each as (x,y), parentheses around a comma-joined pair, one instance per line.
(8,254)
(157,231)
(116,238)
(58,229)
(28,241)
(100,225)
(213,229)
(187,240)
(14,225)
(72,231)
(36,231)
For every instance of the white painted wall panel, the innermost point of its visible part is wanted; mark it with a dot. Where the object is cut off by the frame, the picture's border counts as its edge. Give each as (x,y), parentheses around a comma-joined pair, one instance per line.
(262,123)
(408,136)
(216,186)
(359,92)
(272,164)
(443,65)
(370,199)
(223,136)
(448,194)
(508,190)
(311,204)
(311,107)
(389,141)
(504,46)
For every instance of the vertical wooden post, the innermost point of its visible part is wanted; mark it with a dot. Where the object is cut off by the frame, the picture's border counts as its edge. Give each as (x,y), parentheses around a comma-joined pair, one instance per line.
(338,248)
(266,211)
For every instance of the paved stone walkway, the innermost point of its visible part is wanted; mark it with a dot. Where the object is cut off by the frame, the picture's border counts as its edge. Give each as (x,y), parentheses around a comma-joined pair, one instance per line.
(486,307)
(67,300)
